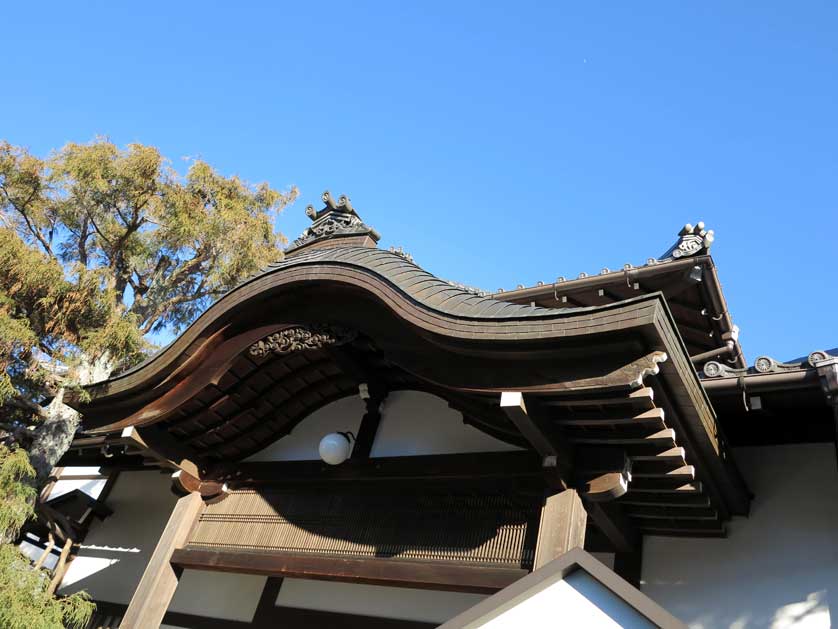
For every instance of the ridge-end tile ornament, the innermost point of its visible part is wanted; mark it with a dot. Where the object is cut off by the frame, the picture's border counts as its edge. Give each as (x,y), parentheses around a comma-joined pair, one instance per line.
(764,365)
(303,337)
(335,219)
(692,241)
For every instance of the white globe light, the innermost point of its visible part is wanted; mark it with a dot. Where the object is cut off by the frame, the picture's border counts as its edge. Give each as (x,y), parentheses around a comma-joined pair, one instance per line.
(334,448)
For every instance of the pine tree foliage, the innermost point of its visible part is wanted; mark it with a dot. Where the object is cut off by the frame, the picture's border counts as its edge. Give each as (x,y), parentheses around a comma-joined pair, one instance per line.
(24,600)
(100,246)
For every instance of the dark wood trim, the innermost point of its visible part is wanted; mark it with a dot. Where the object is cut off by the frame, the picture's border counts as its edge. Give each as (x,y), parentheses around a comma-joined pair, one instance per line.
(397,573)
(109,615)
(630,565)
(54,477)
(614,524)
(368,428)
(441,467)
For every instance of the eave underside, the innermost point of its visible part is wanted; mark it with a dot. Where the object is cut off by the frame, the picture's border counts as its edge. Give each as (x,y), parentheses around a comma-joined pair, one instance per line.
(696,302)
(211,401)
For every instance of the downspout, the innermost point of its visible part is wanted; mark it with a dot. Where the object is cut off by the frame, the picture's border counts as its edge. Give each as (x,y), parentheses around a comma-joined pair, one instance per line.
(828,375)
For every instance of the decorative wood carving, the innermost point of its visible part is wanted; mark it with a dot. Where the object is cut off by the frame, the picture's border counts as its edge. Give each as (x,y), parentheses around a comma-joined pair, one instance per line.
(303,337)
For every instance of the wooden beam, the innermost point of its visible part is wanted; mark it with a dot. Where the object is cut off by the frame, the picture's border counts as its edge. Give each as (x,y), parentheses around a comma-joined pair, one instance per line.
(614,524)
(156,443)
(608,516)
(448,576)
(562,526)
(449,467)
(158,583)
(654,417)
(643,399)
(539,432)
(695,501)
(369,427)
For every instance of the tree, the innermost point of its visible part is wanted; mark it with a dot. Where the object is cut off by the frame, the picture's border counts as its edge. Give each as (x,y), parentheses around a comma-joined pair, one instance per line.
(100,246)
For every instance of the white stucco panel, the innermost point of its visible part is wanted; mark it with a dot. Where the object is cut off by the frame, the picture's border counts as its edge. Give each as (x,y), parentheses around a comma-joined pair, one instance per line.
(114,555)
(778,568)
(375,600)
(578,600)
(412,423)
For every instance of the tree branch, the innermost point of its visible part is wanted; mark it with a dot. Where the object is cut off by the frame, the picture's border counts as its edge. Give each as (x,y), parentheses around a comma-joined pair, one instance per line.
(32,229)
(165,307)
(27,405)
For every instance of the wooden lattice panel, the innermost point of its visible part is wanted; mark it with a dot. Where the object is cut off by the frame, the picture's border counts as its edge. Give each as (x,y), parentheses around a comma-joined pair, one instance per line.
(475,528)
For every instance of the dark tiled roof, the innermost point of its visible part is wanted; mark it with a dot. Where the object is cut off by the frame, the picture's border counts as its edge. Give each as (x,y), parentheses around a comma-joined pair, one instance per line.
(418,284)
(414,281)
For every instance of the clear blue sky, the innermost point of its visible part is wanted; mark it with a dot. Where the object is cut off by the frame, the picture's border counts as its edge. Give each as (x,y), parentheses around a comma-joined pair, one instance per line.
(498,143)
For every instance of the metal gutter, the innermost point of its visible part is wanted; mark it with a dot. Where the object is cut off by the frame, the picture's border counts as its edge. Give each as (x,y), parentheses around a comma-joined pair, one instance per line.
(758,382)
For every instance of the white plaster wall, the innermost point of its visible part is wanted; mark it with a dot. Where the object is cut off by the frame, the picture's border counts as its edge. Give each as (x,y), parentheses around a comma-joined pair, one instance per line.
(415,423)
(578,600)
(301,444)
(218,594)
(778,568)
(412,423)
(115,553)
(375,600)
(66,484)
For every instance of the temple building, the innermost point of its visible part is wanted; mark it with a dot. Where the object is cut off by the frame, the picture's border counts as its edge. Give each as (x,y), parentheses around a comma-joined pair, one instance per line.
(346,440)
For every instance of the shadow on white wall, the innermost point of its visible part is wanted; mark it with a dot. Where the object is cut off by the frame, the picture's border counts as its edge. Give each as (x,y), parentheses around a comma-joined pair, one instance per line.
(778,568)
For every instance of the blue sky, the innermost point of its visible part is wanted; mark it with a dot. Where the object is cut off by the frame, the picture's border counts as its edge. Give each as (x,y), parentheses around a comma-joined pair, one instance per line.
(499,143)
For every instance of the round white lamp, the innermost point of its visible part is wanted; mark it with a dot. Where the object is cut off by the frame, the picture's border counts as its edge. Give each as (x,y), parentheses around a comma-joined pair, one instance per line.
(335,447)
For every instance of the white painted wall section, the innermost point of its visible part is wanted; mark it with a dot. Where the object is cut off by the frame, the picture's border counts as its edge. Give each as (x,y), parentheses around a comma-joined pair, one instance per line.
(218,594)
(115,553)
(375,600)
(413,423)
(777,569)
(577,600)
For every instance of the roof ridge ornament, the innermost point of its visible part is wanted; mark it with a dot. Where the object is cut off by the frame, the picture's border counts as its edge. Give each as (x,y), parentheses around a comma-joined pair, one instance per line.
(764,365)
(692,241)
(337,221)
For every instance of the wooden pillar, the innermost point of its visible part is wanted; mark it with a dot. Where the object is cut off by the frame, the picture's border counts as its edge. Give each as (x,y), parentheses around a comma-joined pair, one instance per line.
(153,594)
(629,565)
(562,526)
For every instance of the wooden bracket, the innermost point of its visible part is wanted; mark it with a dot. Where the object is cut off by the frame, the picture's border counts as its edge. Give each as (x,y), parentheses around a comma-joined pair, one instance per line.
(602,474)
(539,432)
(184,483)
(159,445)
